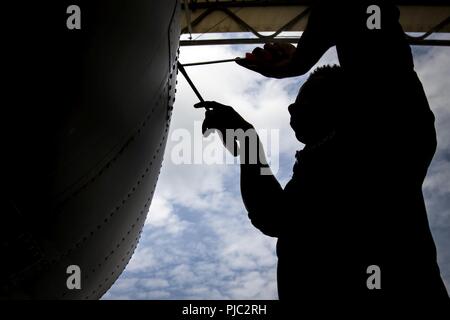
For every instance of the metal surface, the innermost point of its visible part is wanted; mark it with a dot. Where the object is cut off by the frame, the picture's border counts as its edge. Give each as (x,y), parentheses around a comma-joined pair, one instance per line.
(86,126)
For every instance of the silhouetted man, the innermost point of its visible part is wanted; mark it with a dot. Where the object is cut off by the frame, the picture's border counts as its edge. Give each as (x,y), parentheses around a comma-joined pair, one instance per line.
(354,205)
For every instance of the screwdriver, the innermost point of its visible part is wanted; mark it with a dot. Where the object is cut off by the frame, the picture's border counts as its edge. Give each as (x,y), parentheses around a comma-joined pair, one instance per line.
(234,151)
(183,71)
(210,62)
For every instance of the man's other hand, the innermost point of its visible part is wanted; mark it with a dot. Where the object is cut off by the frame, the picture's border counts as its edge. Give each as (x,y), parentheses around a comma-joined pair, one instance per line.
(274,60)
(221,117)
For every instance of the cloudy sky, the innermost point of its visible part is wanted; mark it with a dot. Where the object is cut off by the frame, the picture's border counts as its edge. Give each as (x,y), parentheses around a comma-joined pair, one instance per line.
(198,242)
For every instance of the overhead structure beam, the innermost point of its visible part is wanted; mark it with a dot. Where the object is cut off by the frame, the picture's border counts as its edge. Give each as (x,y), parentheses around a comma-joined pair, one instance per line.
(293,40)
(187,20)
(257,16)
(205,4)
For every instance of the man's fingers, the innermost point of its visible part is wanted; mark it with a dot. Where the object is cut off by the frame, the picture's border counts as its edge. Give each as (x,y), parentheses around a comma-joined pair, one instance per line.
(209,105)
(257,51)
(243,62)
(213,121)
(251,65)
(268,45)
(262,55)
(199,105)
(281,51)
(262,61)
(203,104)
(207,126)
(248,64)
(272,47)
(287,47)
(273,60)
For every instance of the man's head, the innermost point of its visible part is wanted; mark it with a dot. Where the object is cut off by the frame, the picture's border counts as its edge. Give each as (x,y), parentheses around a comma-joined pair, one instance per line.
(314,112)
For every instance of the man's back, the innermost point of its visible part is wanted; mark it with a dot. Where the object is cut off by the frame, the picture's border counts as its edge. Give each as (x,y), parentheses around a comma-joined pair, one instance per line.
(338,221)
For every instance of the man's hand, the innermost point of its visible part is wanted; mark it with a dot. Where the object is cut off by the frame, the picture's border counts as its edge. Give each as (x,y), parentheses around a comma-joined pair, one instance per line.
(220,117)
(275,60)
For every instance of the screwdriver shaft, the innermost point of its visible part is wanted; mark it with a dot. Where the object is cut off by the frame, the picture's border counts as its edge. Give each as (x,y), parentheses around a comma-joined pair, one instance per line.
(209,62)
(183,71)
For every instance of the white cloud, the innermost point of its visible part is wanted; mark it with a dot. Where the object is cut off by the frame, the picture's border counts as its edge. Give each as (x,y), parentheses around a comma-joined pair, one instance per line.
(155,283)
(161,215)
(144,258)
